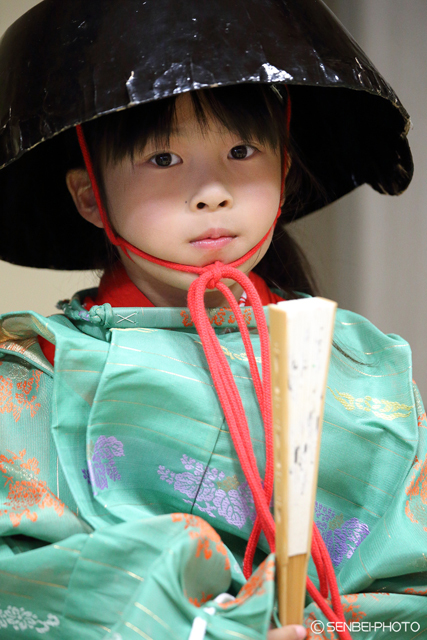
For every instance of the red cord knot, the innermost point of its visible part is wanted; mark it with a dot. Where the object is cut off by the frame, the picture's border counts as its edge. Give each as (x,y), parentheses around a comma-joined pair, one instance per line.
(216,271)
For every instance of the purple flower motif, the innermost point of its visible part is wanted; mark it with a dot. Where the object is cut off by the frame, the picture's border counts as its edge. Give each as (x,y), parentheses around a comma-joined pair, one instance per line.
(207,490)
(355,531)
(86,475)
(199,469)
(108,447)
(188,462)
(336,544)
(112,472)
(247,500)
(97,473)
(103,463)
(341,537)
(187,484)
(166,474)
(323,515)
(230,507)
(211,492)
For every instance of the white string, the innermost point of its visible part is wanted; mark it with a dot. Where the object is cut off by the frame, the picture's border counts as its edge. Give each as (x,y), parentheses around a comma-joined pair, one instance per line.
(198,629)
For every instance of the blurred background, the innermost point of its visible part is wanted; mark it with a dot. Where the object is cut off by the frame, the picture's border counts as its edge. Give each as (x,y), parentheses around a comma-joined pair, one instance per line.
(367,249)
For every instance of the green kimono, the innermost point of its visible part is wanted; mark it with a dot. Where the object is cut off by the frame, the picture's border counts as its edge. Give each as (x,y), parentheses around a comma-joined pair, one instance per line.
(124,511)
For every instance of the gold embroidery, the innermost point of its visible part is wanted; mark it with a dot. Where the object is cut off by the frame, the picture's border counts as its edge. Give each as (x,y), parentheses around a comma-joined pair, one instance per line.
(231,482)
(232,355)
(154,616)
(20,346)
(139,631)
(361,562)
(350,501)
(369,484)
(238,635)
(237,356)
(138,366)
(15,576)
(375,444)
(152,406)
(112,566)
(336,522)
(96,624)
(26,493)
(381,408)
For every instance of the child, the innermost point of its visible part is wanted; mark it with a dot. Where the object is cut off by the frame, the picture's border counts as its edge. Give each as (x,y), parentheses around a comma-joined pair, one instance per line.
(125,509)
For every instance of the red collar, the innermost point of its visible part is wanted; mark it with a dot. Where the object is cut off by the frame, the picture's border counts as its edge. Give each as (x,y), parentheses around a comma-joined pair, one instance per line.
(118,289)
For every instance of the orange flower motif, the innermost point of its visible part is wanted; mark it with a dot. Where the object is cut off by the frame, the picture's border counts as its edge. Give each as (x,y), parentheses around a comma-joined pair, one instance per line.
(32,465)
(201,530)
(351,598)
(26,494)
(203,546)
(415,592)
(203,600)
(353,611)
(16,403)
(422,419)
(321,635)
(218,318)
(255,584)
(416,505)
(247,316)
(186,319)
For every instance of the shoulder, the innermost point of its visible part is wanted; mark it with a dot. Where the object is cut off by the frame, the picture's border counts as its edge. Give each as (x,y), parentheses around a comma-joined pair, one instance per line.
(25,374)
(364,342)
(20,335)
(371,372)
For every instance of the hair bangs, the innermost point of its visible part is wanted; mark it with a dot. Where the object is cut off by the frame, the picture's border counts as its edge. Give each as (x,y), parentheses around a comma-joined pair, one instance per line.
(253,112)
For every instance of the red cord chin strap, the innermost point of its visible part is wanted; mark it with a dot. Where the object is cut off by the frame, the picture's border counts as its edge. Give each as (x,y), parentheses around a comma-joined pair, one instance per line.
(210,277)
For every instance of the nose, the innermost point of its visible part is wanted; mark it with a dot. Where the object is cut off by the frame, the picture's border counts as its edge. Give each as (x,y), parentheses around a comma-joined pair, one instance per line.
(211,197)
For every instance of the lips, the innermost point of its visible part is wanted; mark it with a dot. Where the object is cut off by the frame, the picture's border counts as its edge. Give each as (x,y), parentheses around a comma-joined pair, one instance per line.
(214,234)
(213,239)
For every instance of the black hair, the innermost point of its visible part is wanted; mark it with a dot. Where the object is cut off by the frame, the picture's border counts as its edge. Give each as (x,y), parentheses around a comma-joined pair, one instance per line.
(254,112)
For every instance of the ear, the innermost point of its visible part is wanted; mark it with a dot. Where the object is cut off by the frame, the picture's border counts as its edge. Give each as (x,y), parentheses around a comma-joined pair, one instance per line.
(80,188)
(288,166)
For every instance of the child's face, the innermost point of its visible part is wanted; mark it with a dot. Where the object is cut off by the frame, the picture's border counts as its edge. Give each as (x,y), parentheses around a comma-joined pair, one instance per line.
(208,196)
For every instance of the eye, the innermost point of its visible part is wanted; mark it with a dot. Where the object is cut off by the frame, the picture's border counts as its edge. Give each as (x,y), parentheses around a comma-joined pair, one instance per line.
(165,159)
(241,152)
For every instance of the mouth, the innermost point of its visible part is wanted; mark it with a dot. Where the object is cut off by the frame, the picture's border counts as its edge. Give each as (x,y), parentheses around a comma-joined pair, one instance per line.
(213,239)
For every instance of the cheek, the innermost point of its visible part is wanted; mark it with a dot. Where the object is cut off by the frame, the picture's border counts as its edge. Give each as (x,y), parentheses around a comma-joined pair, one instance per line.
(266,184)
(265,202)
(135,204)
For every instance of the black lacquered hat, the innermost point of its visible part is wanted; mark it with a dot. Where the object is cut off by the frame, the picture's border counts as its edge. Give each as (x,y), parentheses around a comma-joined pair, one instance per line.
(66,62)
